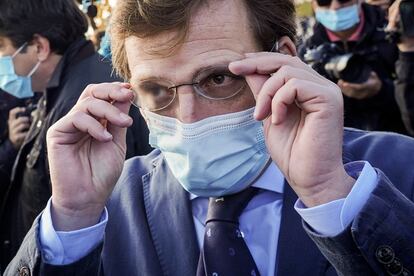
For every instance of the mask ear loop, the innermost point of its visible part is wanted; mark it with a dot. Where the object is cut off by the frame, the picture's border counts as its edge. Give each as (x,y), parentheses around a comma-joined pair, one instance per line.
(19,50)
(275,47)
(34,69)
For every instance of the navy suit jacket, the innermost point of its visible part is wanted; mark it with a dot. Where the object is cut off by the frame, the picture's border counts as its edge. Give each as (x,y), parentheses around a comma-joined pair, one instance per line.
(151,232)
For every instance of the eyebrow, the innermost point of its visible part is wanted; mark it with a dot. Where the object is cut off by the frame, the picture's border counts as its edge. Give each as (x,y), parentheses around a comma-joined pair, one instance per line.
(220,65)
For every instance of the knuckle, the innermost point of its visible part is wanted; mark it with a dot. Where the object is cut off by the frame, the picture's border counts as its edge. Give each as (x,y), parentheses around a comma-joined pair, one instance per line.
(76,114)
(295,83)
(90,88)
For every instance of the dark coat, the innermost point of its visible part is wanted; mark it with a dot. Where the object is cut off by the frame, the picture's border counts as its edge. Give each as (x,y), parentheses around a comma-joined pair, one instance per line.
(381,111)
(150,230)
(30,185)
(404,89)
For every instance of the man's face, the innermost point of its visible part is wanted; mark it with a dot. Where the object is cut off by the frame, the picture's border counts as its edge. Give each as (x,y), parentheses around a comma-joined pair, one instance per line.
(219,33)
(24,61)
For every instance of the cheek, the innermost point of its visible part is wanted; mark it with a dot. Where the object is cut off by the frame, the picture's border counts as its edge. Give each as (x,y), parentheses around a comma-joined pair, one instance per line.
(20,66)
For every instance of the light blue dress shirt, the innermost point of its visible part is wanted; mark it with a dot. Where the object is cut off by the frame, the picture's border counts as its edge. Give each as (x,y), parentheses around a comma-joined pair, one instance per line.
(260,221)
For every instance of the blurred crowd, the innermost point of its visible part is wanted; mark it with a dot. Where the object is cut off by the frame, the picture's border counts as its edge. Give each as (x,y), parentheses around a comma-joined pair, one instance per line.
(60,47)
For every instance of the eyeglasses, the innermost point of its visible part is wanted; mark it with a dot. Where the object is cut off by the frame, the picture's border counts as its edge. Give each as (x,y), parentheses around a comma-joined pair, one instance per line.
(326,3)
(215,83)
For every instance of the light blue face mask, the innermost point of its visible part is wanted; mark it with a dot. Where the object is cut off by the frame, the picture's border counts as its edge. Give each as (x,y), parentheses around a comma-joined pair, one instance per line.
(338,20)
(215,156)
(10,82)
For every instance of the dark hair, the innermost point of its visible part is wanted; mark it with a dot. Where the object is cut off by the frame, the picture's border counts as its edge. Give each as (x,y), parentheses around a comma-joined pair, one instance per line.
(60,21)
(270,19)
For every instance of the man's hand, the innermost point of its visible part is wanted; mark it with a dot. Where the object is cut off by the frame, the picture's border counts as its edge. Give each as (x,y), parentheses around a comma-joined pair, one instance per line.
(86,151)
(407,43)
(18,127)
(361,91)
(302,114)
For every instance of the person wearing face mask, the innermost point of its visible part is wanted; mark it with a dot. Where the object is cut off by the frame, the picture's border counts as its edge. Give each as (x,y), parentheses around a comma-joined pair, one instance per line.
(353,27)
(253,172)
(43,49)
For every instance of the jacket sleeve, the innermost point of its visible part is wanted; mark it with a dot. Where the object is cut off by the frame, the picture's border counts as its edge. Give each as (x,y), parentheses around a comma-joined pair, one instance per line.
(404,89)
(380,240)
(28,260)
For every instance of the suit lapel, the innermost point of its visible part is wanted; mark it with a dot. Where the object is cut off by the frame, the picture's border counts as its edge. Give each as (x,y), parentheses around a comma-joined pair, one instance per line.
(170,221)
(297,254)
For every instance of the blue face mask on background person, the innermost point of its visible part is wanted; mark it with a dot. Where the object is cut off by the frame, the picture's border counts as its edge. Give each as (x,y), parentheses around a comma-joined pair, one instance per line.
(338,20)
(216,156)
(10,82)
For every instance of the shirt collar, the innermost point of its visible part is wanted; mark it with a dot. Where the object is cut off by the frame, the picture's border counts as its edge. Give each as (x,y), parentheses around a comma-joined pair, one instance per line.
(271,180)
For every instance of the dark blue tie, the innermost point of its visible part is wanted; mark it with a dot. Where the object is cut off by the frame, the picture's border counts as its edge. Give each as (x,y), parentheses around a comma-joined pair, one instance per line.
(225,252)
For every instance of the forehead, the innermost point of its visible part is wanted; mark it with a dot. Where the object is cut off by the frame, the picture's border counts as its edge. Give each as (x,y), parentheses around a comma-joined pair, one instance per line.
(219,32)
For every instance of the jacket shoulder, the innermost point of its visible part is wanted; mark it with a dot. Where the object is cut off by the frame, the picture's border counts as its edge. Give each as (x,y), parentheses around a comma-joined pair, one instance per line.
(387,151)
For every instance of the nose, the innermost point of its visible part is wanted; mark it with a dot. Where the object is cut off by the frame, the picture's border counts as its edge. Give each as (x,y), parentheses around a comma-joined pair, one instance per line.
(188,108)
(335,5)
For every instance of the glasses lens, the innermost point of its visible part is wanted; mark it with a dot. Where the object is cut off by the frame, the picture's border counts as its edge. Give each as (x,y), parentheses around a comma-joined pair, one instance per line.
(154,96)
(220,86)
(324,3)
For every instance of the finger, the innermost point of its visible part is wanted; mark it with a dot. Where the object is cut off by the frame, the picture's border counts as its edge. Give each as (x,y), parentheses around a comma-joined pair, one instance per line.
(21,120)
(109,92)
(256,82)
(13,112)
(274,83)
(23,127)
(77,124)
(119,133)
(104,110)
(19,137)
(309,96)
(355,86)
(265,63)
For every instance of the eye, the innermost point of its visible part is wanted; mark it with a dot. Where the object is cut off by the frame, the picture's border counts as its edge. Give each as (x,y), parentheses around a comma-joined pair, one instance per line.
(218,80)
(153,89)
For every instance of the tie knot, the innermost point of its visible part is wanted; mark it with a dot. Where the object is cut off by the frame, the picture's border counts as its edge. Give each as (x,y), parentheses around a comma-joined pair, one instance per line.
(229,208)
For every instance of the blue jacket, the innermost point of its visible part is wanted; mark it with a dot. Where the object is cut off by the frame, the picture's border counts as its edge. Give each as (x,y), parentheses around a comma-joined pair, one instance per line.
(151,230)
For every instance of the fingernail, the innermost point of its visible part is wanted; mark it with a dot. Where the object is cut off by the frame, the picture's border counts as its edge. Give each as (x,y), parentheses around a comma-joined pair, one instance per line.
(126,91)
(124,117)
(107,135)
(249,54)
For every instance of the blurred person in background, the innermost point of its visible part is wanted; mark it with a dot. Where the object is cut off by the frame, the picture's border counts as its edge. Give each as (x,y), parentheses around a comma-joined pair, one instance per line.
(43,48)
(404,84)
(383,4)
(7,103)
(15,120)
(352,33)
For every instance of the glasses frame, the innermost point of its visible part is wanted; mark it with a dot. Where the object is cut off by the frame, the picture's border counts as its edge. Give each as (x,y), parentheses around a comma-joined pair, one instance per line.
(196,87)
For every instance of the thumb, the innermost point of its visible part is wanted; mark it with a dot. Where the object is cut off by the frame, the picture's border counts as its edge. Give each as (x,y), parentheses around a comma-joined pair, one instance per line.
(256,82)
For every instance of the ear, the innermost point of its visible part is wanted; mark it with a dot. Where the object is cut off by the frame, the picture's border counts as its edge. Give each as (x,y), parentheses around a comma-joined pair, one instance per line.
(286,46)
(42,44)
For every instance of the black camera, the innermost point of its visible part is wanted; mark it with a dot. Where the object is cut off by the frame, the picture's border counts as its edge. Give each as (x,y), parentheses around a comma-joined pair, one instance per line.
(329,60)
(27,111)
